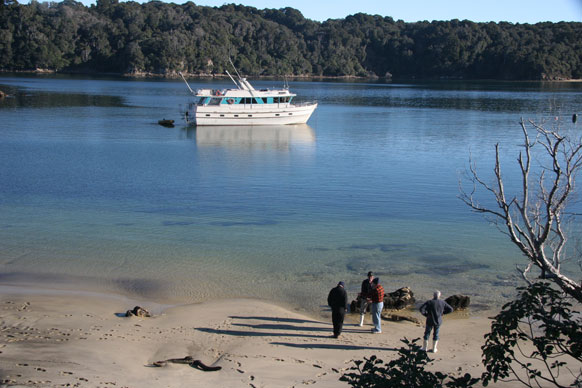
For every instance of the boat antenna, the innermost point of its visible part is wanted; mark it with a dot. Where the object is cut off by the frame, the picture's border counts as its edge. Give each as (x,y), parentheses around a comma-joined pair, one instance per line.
(189,88)
(234,67)
(241,81)
(232,79)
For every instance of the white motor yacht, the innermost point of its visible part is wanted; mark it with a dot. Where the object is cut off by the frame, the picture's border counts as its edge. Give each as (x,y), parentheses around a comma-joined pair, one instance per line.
(246,105)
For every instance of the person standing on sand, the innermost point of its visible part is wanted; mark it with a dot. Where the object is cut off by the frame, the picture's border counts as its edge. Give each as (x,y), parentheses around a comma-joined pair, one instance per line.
(377,299)
(433,310)
(338,301)
(364,295)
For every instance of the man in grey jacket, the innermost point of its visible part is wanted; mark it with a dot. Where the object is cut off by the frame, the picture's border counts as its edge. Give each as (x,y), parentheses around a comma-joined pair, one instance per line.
(434,310)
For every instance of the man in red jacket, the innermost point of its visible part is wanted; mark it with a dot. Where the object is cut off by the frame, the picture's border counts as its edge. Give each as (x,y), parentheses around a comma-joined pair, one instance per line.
(377,299)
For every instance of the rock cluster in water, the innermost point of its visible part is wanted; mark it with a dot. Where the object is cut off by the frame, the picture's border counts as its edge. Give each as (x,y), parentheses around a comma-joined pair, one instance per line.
(404,298)
(397,300)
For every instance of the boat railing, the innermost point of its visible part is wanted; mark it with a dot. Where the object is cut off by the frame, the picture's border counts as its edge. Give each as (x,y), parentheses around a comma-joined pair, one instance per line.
(305,103)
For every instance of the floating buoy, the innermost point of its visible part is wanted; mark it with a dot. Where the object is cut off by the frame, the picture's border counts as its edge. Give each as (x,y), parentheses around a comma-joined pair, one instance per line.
(575,118)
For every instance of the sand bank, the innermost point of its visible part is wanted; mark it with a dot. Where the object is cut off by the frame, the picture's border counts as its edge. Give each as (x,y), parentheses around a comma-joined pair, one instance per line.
(66,339)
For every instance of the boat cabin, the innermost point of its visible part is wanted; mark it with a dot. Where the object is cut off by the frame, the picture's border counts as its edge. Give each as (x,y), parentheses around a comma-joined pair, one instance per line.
(215,99)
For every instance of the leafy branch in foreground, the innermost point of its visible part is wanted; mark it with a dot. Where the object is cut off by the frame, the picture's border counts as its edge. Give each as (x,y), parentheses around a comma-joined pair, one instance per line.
(532,338)
(408,370)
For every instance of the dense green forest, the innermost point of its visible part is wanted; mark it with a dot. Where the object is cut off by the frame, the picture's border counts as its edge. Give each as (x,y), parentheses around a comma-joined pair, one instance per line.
(164,38)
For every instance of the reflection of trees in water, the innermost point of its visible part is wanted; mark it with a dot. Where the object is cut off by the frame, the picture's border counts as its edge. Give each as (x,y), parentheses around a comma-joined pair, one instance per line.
(460,102)
(17,98)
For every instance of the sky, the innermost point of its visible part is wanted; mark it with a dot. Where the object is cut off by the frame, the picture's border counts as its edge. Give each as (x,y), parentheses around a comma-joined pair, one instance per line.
(514,11)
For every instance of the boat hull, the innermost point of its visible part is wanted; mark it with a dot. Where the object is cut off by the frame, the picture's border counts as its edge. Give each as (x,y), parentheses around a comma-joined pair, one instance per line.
(253,115)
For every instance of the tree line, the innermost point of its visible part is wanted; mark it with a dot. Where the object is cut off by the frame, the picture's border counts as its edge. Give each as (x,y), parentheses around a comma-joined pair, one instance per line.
(164,38)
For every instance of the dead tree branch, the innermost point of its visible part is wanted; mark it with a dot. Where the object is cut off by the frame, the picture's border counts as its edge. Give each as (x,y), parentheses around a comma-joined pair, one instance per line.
(534,218)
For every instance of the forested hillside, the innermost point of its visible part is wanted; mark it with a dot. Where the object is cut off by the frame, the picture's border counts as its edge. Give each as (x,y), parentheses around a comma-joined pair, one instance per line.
(163,38)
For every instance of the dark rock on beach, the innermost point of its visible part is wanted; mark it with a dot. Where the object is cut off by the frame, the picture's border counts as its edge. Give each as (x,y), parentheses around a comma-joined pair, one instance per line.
(399,299)
(458,301)
(138,312)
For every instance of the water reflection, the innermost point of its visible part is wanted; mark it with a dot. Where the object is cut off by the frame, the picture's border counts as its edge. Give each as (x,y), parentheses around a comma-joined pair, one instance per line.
(20,97)
(495,97)
(260,137)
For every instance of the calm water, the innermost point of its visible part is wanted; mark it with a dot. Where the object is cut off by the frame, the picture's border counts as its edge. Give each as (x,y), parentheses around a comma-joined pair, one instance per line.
(94,194)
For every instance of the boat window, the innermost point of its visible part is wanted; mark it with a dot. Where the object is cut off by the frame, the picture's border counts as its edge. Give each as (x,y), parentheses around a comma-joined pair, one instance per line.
(215,101)
(278,100)
(247,100)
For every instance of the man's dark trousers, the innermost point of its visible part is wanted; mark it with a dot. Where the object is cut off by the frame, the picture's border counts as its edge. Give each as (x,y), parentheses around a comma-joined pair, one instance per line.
(337,317)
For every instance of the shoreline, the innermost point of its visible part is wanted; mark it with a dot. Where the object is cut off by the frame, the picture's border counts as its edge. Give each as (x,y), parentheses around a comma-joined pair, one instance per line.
(305,77)
(159,301)
(83,339)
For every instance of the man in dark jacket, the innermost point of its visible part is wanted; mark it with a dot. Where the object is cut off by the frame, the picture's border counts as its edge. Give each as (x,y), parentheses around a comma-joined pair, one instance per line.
(433,310)
(364,295)
(338,301)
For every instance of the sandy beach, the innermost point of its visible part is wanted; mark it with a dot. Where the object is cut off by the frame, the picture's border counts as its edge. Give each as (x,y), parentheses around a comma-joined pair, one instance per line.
(57,338)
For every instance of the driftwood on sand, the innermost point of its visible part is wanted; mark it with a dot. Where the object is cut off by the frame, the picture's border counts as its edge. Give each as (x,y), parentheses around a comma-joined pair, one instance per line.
(399,317)
(189,361)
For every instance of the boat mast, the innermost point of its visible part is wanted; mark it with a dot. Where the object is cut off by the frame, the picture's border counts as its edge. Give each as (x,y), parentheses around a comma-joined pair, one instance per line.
(234,67)
(244,84)
(232,79)
(189,88)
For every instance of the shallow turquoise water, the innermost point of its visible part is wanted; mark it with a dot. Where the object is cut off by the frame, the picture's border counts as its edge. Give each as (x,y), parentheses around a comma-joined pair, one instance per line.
(95,195)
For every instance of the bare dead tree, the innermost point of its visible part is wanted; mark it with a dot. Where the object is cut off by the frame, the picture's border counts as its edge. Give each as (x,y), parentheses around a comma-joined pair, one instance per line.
(535,217)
